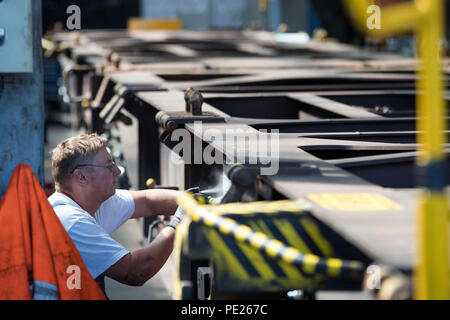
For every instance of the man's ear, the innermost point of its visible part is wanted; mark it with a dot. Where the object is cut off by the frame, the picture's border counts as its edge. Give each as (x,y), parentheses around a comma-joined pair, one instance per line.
(80,177)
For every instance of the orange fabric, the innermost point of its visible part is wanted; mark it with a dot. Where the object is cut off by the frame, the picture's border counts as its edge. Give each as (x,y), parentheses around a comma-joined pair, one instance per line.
(34,246)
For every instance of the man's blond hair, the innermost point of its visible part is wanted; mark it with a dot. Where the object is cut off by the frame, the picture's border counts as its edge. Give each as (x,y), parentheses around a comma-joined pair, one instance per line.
(72,152)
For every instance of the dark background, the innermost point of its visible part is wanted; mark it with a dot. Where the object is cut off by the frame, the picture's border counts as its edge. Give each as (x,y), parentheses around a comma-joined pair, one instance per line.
(95,14)
(113,14)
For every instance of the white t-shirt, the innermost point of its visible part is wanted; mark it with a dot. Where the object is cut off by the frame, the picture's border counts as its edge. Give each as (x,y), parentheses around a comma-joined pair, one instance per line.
(91,235)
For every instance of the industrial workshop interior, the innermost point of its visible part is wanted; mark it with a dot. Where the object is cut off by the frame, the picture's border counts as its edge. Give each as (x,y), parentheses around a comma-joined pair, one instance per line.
(227,150)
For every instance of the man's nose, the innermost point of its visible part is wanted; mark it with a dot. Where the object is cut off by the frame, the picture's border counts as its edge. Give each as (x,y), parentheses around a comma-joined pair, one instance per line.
(116,170)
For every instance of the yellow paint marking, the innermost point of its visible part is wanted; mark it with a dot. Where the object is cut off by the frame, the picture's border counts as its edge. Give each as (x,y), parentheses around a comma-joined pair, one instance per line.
(289,270)
(273,248)
(242,232)
(210,220)
(226,226)
(233,262)
(310,262)
(290,254)
(258,239)
(354,201)
(265,207)
(334,267)
(257,260)
(291,235)
(313,230)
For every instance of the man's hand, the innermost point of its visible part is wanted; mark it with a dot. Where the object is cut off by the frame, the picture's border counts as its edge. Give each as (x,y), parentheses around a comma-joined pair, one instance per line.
(203,198)
(176,219)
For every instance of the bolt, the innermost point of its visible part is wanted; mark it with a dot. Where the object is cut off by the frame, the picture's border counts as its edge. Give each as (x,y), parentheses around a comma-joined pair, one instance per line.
(194,101)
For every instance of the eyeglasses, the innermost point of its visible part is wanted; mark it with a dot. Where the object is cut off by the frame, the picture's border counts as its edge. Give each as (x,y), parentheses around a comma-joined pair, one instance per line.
(108,166)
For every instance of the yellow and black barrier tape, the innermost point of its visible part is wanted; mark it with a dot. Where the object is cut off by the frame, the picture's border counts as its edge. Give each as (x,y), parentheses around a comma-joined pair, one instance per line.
(309,263)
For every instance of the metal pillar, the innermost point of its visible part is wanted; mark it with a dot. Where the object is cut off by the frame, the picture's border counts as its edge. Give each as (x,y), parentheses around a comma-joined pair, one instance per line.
(426,19)
(275,15)
(22,112)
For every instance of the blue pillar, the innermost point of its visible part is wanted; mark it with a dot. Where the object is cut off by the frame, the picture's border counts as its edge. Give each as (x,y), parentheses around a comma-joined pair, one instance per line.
(22,113)
(274,15)
(314,20)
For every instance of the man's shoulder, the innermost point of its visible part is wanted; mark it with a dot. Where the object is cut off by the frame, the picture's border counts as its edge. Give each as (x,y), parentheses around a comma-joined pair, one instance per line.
(68,212)
(120,198)
(120,195)
(115,211)
(59,199)
(73,218)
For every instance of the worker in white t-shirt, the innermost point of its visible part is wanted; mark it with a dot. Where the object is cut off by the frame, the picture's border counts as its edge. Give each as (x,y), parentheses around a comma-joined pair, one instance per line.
(90,209)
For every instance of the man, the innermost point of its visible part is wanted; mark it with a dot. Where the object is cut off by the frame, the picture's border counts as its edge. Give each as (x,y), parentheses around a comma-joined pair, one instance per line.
(90,209)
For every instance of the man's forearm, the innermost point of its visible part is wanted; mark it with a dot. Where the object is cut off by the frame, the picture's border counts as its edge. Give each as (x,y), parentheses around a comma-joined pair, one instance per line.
(163,201)
(146,262)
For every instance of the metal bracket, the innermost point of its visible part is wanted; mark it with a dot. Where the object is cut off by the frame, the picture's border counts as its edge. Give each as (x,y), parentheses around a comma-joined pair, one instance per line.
(112,109)
(77,69)
(204,282)
(172,120)
(193,112)
(194,101)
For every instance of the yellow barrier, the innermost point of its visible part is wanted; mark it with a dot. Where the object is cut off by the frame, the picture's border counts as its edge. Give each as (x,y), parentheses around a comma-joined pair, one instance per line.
(309,263)
(153,24)
(426,19)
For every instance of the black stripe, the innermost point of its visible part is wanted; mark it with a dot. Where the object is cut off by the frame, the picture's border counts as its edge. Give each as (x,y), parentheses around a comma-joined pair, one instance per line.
(274,230)
(288,214)
(306,237)
(273,263)
(277,235)
(240,256)
(346,270)
(298,262)
(321,266)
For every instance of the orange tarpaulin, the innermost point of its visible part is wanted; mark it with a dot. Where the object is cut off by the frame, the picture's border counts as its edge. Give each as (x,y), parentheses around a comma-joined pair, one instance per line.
(38,260)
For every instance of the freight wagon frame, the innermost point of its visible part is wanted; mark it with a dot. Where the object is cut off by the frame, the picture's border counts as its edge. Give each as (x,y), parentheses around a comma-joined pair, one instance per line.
(347,142)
